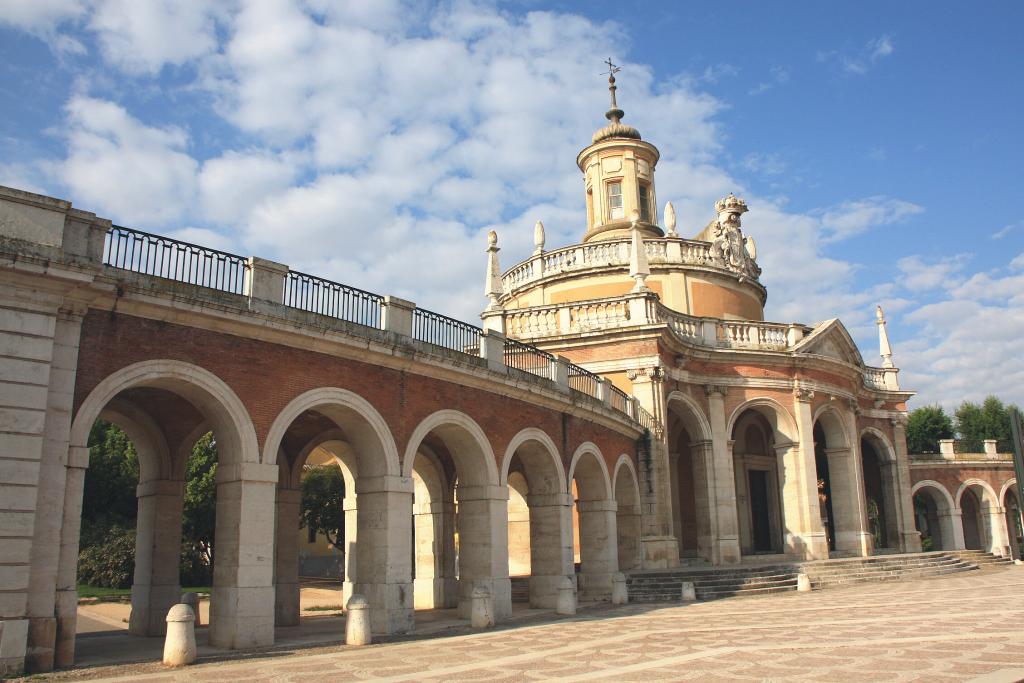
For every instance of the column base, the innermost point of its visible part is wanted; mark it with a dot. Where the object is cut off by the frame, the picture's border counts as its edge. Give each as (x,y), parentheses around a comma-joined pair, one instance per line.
(149,608)
(42,637)
(501,595)
(726,551)
(544,590)
(595,587)
(13,644)
(911,541)
(242,617)
(659,552)
(859,543)
(67,627)
(286,604)
(810,546)
(391,607)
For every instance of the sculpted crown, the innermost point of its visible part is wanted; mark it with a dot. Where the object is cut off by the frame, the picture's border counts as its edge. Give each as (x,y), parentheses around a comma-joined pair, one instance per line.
(732,203)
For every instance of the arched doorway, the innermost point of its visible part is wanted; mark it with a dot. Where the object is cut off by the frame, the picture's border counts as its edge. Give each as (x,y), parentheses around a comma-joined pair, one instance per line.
(880,489)
(757,470)
(1014,520)
(377,506)
(840,496)
(166,406)
(692,480)
(627,514)
(539,516)
(595,509)
(934,517)
(479,535)
(976,531)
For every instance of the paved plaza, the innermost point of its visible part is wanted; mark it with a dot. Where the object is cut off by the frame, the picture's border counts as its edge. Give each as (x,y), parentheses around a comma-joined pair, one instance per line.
(960,628)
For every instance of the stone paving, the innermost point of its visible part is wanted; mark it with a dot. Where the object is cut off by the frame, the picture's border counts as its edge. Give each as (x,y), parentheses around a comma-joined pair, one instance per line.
(959,628)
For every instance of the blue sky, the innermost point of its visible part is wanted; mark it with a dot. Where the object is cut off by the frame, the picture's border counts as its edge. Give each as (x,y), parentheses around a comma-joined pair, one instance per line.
(376,142)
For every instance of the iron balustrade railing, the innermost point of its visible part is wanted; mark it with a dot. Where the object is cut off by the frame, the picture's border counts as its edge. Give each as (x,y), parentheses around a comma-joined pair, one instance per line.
(646,420)
(143,252)
(583,380)
(440,330)
(527,358)
(317,295)
(620,400)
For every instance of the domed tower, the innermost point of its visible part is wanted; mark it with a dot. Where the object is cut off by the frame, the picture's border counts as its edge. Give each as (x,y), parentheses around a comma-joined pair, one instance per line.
(618,173)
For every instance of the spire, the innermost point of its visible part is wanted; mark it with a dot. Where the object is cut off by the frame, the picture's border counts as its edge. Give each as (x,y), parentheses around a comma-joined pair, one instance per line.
(883,339)
(638,268)
(493,289)
(538,239)
(614,114)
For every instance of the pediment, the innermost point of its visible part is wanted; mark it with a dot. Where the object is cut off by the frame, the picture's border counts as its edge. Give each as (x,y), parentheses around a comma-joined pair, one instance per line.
(832,340)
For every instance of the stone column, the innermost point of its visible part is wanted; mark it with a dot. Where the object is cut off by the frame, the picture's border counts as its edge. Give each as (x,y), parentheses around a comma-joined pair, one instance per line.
(435,585)
(483,547)
(551,557)
(384,561)
(61,354)
(599,558)
(67,568)
(242,603)
(627,524)
(717,465)
(286,564)
(350,508)
(951,525)
(805,533)
(659,544)
(910,538)
(849,508)
(998,538)
(156,587)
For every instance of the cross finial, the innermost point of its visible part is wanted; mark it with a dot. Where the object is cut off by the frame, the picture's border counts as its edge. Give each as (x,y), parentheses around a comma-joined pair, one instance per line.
(614,113)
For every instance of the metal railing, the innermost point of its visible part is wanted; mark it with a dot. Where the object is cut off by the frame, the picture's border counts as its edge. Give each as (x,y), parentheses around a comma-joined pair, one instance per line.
(143,252)
(646,420)
(317,295)
(620,400)
(583,380)
(527,358)
(440,330)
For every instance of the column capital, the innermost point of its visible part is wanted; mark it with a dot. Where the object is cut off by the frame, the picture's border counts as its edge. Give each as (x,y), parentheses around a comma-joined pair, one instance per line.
(715,391)
(384,484)
(605,505)
(487,492)
(649,374)
(549,500)
(803,394)
(159,487)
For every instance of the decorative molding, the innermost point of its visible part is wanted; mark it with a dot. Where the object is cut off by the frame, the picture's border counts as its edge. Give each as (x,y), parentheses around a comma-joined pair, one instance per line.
(711,390)
(803,394)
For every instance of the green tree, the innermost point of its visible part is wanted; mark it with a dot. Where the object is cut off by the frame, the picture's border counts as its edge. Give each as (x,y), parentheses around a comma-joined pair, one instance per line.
(926,425)
(108,498)
(323,490)
(200,504)
(975,423)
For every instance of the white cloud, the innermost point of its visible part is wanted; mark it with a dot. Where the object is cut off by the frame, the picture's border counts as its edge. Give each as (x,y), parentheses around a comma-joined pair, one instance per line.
(1018,263)
(230,185)
(141,37)
(879,47)
(917,275)
(854,217)
(779,75)
(118,165)
(859,62)
(39,15)
(1006,230)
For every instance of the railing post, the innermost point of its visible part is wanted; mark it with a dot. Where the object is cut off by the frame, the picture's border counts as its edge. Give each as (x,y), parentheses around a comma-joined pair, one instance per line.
(560,372)
(492,348)
(604,392)
(710,332)
(266,280)
(946,448)
(794,334)
(494,321)
(633,406)
(991,447)
(640,311)
(396,315)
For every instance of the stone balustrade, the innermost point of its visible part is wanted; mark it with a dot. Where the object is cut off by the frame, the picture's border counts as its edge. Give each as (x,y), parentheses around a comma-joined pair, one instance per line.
(607,253)
(600,315)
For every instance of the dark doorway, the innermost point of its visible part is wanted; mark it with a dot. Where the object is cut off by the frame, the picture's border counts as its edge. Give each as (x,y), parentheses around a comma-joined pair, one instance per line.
(759,510)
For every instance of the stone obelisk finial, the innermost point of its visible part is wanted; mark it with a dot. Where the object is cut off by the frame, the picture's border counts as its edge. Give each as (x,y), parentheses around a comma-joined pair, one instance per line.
(493,289)
(638,268)
(670,220)
(883,339)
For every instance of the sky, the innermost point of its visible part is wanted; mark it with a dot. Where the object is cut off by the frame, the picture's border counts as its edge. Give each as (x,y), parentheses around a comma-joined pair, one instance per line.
(375,142)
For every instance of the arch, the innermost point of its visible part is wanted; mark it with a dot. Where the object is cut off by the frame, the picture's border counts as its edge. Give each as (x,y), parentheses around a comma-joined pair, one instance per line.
(989,499)
(584,449)
(207,392)
(626,462)
(943,492)
(696,423)
(367,434)
(886,452)
(833,425)
(547,446)
(1007,485)
(465,435)
(780,419)
(154,454)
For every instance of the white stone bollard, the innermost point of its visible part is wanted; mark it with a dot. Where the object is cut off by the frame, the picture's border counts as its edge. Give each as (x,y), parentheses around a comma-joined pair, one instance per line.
(180,642)
(689,591)
(620,595)
(803,583)
(1018,562)
(566,603)
(482,608)
(357,621)
(192,600)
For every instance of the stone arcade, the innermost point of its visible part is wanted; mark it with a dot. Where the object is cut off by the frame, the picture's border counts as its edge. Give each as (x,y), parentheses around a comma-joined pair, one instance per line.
(625,406)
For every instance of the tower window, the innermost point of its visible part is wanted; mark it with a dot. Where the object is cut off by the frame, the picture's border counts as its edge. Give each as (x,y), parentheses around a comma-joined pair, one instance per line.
(645,204)
(615,209)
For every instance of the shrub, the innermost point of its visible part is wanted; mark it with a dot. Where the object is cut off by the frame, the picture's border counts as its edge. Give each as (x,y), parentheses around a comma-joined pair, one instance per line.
(111,563)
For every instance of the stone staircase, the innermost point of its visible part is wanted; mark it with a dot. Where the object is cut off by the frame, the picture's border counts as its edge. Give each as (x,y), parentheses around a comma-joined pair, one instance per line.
(520,588)
(720,582)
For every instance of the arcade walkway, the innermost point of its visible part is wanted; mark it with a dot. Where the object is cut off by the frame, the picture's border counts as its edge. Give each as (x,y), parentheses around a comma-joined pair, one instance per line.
(959,628)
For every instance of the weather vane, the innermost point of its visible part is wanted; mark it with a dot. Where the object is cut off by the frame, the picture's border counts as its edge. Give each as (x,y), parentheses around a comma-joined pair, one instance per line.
(614,114)
(612,69)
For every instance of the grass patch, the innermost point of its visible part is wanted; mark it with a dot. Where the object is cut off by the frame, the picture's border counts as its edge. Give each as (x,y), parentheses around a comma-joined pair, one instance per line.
(101,592)
(324,608)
